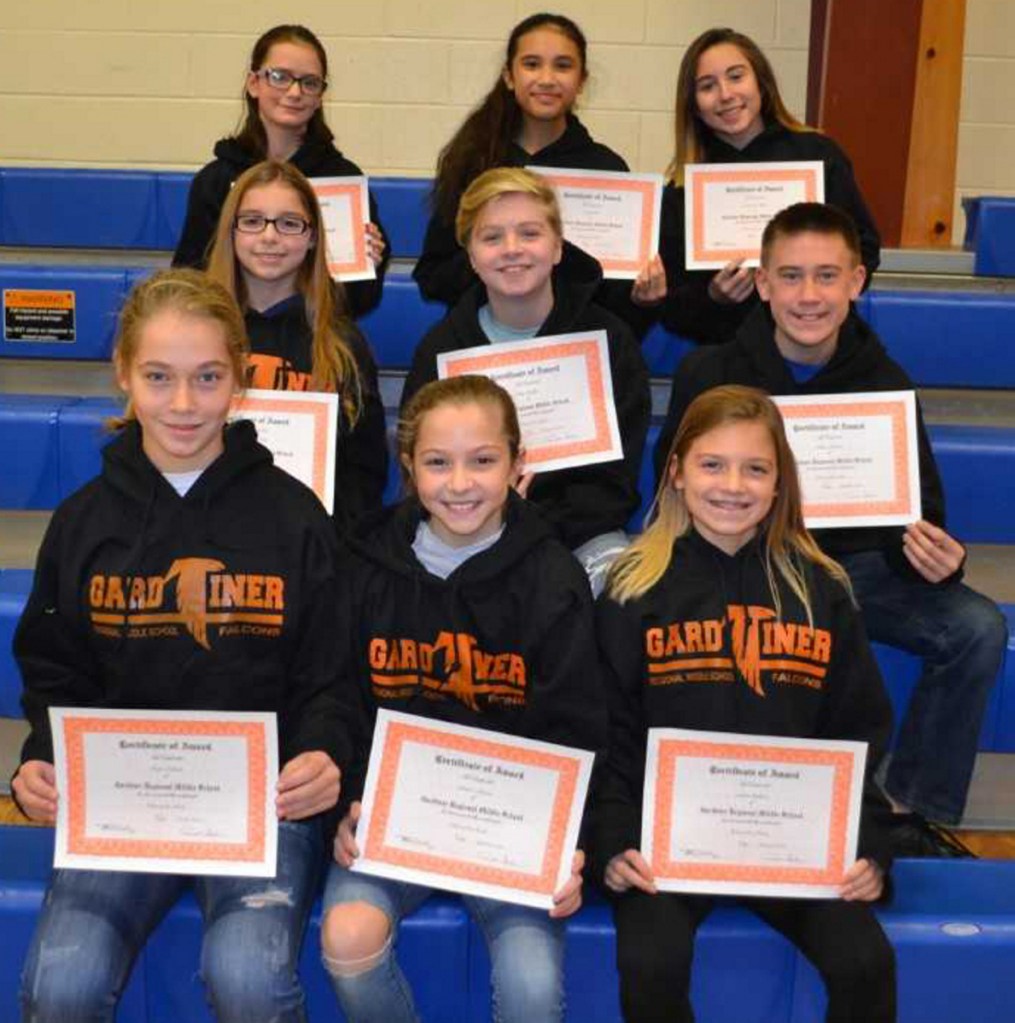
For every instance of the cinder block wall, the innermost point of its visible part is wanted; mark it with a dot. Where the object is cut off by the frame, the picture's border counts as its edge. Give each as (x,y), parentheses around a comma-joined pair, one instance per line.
(117,83)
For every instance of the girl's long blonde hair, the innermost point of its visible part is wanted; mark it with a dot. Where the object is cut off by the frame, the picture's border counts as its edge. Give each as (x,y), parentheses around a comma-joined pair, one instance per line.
(788,546)
(333,365)
(691,134)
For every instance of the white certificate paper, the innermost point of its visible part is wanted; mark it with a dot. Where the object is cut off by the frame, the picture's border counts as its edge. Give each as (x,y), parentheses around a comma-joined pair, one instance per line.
(727,205)
(611,215)
(345,207)
(471,811)
(562,387)
(857,457)
(733,814)
(300,429)
(179,792)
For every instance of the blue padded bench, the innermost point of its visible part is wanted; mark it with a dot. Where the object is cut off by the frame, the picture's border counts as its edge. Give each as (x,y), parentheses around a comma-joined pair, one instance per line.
(86,208)
(403,204)
(29,442)
(948,338)
(397,325)
(15,585)
(952,924)
(82,435)
(98,295)
(171,191)
(990,233)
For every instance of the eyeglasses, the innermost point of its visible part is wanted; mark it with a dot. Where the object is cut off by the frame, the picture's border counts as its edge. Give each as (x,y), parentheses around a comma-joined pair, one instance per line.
(257,223)
(281,79)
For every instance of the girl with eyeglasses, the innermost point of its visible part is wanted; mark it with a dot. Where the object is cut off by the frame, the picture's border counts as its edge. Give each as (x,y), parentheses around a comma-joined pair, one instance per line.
(284,120)
(269,254)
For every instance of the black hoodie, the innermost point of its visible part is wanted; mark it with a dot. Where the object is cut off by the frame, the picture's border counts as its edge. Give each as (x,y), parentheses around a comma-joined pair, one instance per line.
(578,503)
(281,340)
(443,272)
(220,600)
(504,643)
(860,363)
(764,676)
(688,309)
(211,185)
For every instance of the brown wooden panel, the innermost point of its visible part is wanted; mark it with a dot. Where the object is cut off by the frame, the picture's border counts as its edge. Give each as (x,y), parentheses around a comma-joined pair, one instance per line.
(865,69)
(929,200)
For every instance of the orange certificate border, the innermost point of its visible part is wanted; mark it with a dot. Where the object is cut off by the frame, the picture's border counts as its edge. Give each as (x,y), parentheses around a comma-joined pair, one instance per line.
(79,844)
(361,262)
(318,409)
(377,849)
(809,176)
(896,412)
(589,351)
(671,750)
(646,234)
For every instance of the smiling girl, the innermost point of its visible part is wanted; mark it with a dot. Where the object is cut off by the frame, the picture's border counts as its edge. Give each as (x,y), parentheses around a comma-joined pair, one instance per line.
(283,97)
(526,118)
(461,576)
(727,545)
(729,110)
(509,228)
(269,254)
(183,498)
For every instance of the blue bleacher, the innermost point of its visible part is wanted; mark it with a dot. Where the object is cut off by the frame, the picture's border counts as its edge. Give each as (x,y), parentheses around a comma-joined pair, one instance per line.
(990,234)
(403,205)
(952,925)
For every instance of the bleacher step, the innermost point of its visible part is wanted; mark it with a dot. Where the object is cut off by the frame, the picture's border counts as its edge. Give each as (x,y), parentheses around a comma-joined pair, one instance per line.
(78,378)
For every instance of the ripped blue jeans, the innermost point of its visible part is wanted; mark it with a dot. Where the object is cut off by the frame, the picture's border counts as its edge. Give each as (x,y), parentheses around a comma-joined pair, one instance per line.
(94,923)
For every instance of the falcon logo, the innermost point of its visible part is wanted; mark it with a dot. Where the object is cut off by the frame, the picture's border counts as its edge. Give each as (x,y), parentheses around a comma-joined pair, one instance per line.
(193,595)
(763,649)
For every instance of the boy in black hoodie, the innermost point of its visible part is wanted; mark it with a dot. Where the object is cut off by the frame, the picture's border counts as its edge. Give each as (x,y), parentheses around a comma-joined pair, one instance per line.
(806,339)
(509,226)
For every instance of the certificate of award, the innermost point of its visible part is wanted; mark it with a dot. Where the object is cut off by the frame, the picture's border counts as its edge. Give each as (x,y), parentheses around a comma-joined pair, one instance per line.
(610,215)
(562,387)
(471,811)
(732,814)
(345,207)
(726,206)
(177,792)
(300,429)
(857,457)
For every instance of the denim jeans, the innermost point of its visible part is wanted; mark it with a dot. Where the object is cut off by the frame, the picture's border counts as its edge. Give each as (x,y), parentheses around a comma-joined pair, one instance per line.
(94,923)
(526,955)
(960,636)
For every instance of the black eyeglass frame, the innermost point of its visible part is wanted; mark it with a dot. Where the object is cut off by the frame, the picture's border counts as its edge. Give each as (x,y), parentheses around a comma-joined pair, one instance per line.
(287,79)
(274,221)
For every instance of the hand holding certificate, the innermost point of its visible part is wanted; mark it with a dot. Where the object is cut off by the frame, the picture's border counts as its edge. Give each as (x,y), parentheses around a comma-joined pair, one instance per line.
(612,216)
(857,457)
(562,387)
(751,815)
(726,206)
(183,792)
(471,811)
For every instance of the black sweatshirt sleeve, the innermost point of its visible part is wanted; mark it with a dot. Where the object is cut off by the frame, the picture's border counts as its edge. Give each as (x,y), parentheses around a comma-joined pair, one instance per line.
(58,666)
(361,470)
(616,800)
(207,195)
(857,708)
(442,271)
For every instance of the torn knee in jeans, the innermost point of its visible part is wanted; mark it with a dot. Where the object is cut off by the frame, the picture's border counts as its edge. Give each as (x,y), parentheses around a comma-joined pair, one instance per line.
(354,967)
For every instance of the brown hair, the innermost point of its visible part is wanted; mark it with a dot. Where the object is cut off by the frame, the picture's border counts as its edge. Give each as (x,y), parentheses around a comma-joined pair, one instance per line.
(333,366)
(189,293)
(815,217)
(690,132)
(251,134)
(467,389)
(484,139)
(505,181)
(788,544)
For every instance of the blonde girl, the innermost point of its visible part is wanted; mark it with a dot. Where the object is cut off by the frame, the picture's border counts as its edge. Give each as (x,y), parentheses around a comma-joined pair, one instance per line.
(727,557)
(183,502)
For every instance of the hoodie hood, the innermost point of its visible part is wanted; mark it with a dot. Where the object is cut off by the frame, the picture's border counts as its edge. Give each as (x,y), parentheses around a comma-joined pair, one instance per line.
(313,158)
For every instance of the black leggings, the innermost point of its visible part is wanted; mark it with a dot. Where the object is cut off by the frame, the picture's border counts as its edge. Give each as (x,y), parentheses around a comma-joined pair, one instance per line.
(844,941)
